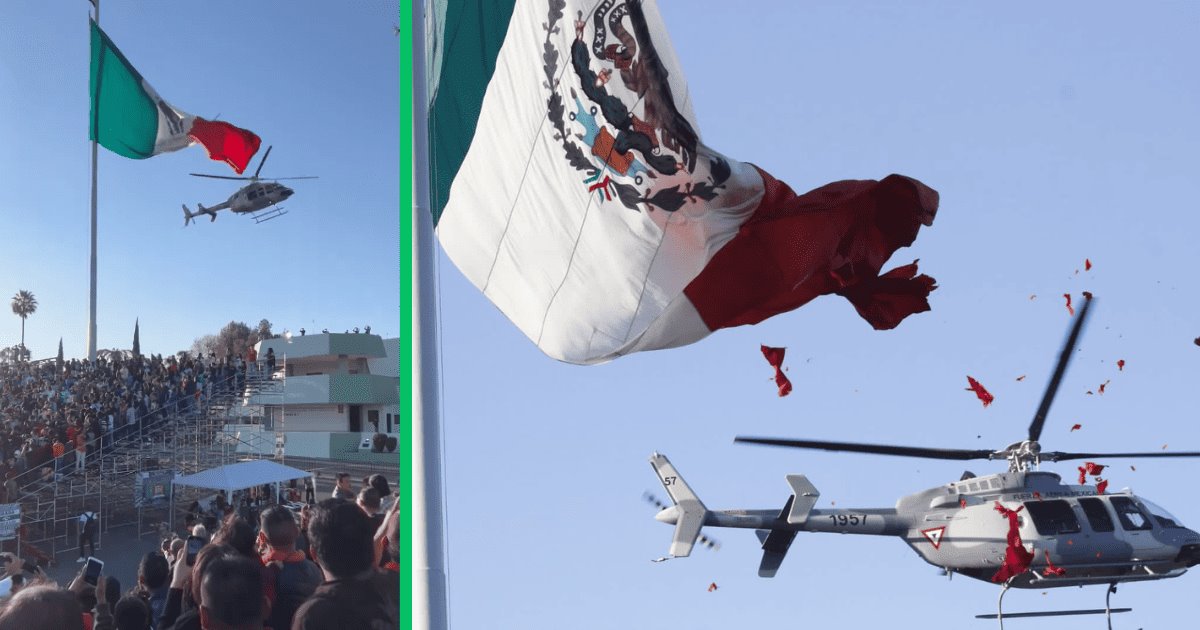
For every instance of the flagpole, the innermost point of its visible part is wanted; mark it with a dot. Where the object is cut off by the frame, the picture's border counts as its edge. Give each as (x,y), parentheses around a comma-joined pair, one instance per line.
(92,295)
(429,602)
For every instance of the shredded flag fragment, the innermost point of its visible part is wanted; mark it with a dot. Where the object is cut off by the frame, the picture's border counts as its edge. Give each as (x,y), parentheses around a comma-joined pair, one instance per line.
(1120,364)
(774,356)
(1087,295)
(980,392)
(1052,570)
(1037,495)
(1093,468)
(712,587)
(1087,264)
(1101,486)
(962,504)
(1069,309)
(1076,427)
(1016,557)
(1104,384)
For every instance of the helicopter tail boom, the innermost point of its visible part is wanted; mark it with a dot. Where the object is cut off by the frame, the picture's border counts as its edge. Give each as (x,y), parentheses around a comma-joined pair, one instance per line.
(689,512)
(189,216)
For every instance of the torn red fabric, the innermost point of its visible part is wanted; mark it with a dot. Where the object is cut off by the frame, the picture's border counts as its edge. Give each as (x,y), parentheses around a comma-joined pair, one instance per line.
(1093,468)
(1087,295)
(1051,570)
(831,240)
(980,392)
(1076,427)
(962,503)
(1016,557)
(1087,264)
(1104,384)
(775,358)
(1197,341)
(1082,475)
(1120,364)
(1101,486)
(712,587)
(1037,495)
(888,299)
(1069,309)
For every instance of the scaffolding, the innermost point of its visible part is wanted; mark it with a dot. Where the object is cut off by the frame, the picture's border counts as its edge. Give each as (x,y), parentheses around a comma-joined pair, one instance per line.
(182,441)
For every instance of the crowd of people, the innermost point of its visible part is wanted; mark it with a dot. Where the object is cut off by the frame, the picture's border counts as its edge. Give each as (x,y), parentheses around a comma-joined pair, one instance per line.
(53,415)
(332,565)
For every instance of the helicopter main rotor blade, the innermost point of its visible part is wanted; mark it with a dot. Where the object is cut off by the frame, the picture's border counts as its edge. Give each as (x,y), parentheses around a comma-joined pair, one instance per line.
(218,176)
(1058,456)
(1039,418)
(264,159)
(877,449)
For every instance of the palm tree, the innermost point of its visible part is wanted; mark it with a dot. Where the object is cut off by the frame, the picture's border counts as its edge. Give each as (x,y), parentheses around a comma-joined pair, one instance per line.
(24,305)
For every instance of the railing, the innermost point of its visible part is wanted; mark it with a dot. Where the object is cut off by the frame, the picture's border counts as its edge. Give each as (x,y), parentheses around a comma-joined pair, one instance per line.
(50,504)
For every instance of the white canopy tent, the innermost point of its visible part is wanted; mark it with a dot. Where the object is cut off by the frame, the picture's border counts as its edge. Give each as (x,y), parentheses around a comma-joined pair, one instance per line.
(242,475)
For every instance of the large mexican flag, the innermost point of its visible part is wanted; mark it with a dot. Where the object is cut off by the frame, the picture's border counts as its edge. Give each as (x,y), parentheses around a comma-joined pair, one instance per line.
(570,184)
(129,118)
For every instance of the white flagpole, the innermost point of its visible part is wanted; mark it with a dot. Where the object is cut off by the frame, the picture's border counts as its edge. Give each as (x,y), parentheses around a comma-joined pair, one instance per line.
(429,603)
(92,299)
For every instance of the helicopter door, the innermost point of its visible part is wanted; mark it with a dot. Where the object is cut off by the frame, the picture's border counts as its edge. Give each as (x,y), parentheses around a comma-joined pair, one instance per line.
(1138,529)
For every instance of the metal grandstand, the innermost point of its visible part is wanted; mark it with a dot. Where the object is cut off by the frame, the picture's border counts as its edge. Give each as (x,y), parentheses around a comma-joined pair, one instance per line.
(109,480)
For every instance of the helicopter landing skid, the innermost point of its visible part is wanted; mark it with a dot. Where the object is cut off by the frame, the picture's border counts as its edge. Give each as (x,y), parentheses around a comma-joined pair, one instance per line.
(266,215)
(1107,611)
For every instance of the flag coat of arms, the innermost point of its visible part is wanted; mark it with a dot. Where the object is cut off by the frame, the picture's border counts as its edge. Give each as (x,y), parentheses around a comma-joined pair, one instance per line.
(130,119)
(570,184)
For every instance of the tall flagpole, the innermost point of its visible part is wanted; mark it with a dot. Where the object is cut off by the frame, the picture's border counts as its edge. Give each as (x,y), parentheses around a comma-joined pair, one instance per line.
(429,604)
(92,295)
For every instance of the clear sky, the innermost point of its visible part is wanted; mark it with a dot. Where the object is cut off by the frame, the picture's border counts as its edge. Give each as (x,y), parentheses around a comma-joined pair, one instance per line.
(1055,133)
(318,80)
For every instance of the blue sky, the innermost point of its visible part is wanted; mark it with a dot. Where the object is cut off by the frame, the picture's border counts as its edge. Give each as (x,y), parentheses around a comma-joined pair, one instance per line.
(1055,133)
(315,79)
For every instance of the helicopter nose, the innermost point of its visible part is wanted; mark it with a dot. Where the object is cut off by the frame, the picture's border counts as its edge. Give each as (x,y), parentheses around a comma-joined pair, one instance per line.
(1189,553)
(286,192)
(669,515)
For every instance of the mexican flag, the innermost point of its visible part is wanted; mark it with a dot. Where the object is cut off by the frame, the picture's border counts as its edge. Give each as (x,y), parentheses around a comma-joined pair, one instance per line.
(570,184)
(129,118)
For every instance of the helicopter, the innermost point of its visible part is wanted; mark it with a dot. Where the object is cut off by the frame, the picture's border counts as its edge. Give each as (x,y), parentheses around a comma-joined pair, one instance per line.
(258,198)
(1079,535)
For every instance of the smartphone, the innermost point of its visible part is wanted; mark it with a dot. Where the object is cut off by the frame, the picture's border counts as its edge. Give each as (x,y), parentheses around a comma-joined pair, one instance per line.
(91,570)
(194,545)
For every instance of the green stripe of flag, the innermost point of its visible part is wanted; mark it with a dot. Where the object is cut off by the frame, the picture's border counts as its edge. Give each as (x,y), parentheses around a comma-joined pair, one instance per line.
(469,38)
(124,117)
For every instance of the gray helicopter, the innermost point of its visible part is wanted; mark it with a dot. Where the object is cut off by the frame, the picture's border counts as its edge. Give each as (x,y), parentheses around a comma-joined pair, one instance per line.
(1047,534)
(260,199)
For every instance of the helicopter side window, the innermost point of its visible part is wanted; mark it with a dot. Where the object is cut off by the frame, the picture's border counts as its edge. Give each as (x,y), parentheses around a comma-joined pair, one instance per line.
(1052,517)
(1131,516)
(1097,515)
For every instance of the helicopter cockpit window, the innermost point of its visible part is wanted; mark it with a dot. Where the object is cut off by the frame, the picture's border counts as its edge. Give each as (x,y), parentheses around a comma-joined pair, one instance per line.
(1163,517)
(1131,516)
(1052,517)
(1097,514)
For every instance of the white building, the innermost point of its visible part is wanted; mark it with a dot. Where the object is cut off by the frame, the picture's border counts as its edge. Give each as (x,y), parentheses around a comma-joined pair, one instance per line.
(329,394)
